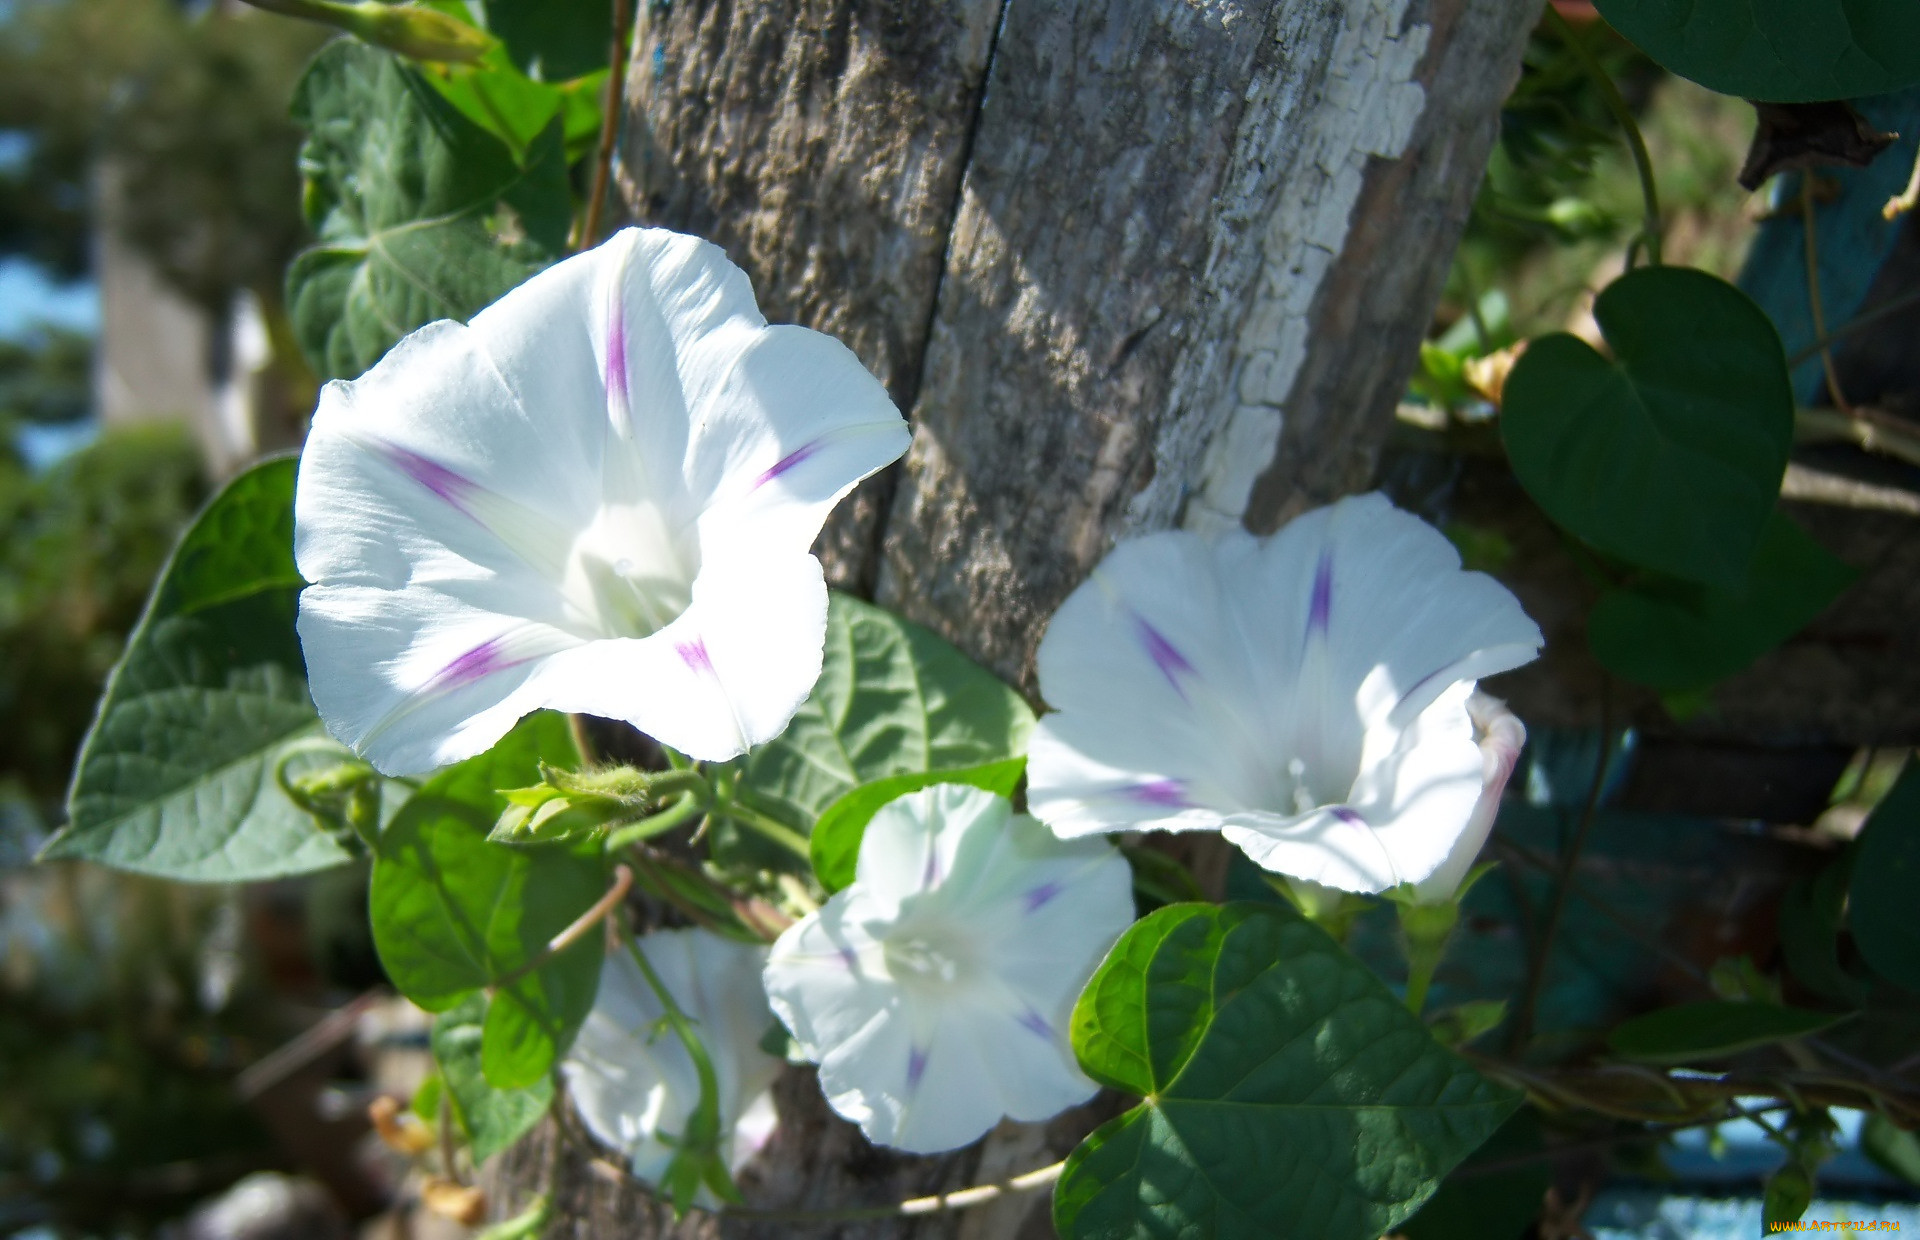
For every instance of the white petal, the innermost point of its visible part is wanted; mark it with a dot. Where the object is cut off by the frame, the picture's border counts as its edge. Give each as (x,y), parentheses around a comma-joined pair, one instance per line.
(794,425)
(1414,798)
(632,1080)
(824,977)
(727,675)
(1400,603)
(417,679)
(1160,713)
(1501,736)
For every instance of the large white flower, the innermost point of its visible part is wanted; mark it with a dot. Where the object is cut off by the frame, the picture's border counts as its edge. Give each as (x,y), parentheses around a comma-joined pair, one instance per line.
(597,496)
(630,1076)
(935,991)
(1303,694)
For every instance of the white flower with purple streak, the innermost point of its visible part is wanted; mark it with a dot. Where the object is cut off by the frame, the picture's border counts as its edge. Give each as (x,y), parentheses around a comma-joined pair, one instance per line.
(935,991)
(1305,694)
(597,496)
(631,1078)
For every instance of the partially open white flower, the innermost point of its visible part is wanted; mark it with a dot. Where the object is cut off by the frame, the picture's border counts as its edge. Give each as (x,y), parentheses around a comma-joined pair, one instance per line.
(631,1078)
(1303,694)
(935,991)
(597,496)
(1501,736)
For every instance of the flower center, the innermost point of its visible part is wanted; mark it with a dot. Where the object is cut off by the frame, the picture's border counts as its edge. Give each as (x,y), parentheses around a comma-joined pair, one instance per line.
(924,958)
(630,573)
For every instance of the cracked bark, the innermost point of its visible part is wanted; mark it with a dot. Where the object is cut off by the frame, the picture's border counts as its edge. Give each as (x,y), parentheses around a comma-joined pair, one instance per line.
(1066,235)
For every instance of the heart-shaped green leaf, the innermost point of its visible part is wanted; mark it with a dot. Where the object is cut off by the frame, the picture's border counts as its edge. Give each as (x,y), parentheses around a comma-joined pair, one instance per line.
(176,776)
(1287,1091)
(1670,455)
(1886,873)
(492,1118)
(1697,1032)
(453,912)
(421,214)
(1783,51)
(835,842)
(1677,636)
(892,699)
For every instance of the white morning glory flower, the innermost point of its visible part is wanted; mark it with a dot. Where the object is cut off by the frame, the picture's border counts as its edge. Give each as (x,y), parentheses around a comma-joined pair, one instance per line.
(1303,694)
(630,1076)
(597,496)
(935,991)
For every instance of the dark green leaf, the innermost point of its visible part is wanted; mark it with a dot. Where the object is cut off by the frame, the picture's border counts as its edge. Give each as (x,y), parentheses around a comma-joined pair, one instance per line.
(453,912)
(1678,636)
(498,98)
(176,777)
(1886,874)
(1696,1032)
(492,1118)
(835,842)
(1783,51)
(1789,1193)
(1287,1091)
(421,214)
(553,40)
(1811,914)
(1669,455)
(1895,1148)
(892,699)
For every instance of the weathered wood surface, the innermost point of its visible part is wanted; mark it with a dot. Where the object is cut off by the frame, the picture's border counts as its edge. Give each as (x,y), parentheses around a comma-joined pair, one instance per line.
(821,143)
(1120,261)
(1157,286)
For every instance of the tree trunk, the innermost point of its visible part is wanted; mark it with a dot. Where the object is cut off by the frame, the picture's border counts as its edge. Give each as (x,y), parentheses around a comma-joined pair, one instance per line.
(1126,264)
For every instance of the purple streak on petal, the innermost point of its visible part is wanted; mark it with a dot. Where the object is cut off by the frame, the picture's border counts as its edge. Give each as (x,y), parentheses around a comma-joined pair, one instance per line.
(455,488)
(852,959)
(1041,896)
(1166,793)
(916,1066)
(617,353)
(694,655)
(1320,611)
(1165,655)
(931,874)
(475,665)
(1418,685)
(1348,816)
(1038,1023)
(788,461)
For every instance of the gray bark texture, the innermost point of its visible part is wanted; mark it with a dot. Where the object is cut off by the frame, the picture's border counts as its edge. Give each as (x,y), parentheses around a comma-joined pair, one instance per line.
(1125,264)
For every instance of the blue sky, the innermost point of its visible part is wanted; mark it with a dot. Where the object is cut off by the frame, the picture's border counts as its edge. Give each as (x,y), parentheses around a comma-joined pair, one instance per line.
(27,297)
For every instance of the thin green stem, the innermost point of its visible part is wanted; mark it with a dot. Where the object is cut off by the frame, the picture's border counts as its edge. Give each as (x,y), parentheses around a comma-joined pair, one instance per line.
(767,827)
(684,810)
(1617,104)
(1563,882)
(701,1136)
(1815,305)
(605,905)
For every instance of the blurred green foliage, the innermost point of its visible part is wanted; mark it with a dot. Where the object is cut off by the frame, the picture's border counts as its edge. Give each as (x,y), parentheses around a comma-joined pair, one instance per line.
(79,547)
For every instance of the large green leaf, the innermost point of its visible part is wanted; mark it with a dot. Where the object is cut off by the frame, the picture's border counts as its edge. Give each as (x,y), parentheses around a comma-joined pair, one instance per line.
(492,1118)
(176,776)
(835,841)
(453,912)
(892,699)
(1287,1091)
(1669,455)
(1696,1032)
(421,214)
(1676,636)
(1784,51)
(1886,873)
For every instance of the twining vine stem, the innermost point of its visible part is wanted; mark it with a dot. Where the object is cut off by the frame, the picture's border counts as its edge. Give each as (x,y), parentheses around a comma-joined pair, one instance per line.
(1617,104)
(609,123)
(622,883)
(1812,229)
